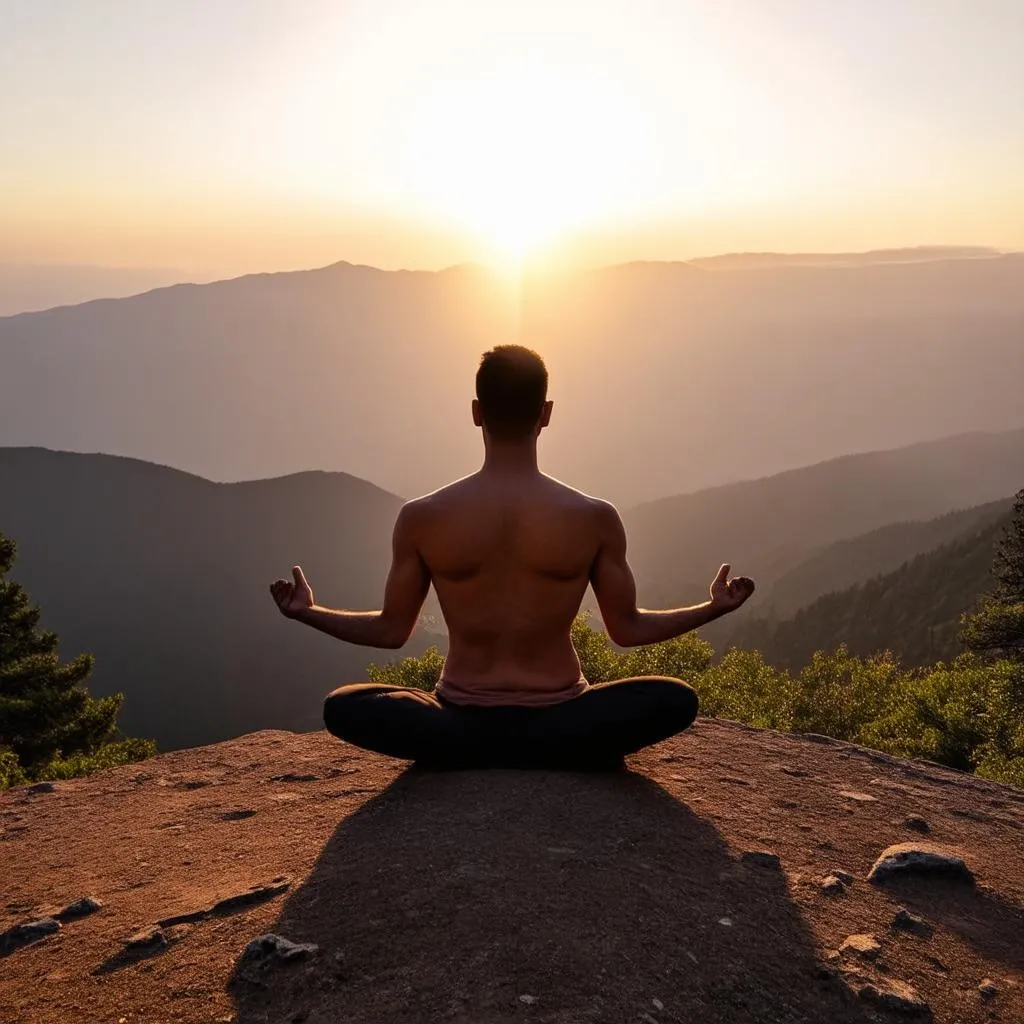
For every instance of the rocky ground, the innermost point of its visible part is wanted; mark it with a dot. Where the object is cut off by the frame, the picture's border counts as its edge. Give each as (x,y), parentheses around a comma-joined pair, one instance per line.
(723,877)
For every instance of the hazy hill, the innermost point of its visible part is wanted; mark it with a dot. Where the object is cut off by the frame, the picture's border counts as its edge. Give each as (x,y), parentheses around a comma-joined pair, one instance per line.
(342,368)
(666,377)
(913,612)
(767,527)
(164,577)
(911,254)
(25,287)
(848,562)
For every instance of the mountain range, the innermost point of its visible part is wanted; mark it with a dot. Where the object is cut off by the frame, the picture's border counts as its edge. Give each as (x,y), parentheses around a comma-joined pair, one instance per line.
(667,378)
(770,527)
(163,575)
(26,287)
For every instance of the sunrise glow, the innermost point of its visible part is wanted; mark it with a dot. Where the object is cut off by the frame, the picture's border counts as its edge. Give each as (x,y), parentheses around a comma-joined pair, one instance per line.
(526,153)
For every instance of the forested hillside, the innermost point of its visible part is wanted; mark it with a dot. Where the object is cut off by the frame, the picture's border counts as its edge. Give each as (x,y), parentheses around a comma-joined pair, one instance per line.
(914,611)
(848,562)
(768,527)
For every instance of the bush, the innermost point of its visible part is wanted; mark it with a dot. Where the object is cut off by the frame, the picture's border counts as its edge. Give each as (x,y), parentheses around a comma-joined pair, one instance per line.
(10,770)
(745,688)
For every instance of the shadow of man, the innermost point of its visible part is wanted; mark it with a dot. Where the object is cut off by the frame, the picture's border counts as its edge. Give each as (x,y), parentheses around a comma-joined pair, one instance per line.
(484,897)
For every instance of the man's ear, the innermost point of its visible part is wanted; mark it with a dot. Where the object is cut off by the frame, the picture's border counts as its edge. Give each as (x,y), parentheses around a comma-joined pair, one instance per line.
(478,420)
(545,415)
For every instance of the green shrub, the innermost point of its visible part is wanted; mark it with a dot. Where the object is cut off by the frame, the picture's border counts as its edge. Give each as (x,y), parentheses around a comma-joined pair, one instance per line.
(420,673)
(10,770)
(745,688)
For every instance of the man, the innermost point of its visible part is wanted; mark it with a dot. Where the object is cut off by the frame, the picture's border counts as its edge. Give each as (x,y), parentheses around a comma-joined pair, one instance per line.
(510,553)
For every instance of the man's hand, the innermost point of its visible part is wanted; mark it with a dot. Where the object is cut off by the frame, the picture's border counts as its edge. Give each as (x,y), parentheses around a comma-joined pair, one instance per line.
(292,598)
(728,594)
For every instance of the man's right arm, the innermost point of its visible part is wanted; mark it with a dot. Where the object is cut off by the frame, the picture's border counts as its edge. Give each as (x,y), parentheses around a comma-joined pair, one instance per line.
(615,589)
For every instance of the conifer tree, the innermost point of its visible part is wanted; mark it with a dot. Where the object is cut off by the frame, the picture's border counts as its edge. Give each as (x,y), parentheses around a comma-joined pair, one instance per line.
(50,725)
(998,626)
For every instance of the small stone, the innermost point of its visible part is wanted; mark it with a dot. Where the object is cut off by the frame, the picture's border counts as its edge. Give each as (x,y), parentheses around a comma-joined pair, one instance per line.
(692,957)
(987,988)
(528,1000)
(239,815)
(294,777)
(23,934)
(80,908)
(272,947)
(658,1004)
(647,1018)
(864,945)
(146,940)
(725,922)
(907,922)
(760,858)
(893,995)
(40,787)
(832,885)
(916,858)
(844,876)
(916,824)
(861,798)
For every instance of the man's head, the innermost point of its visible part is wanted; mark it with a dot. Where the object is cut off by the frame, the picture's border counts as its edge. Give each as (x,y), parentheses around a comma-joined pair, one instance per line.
(511,394)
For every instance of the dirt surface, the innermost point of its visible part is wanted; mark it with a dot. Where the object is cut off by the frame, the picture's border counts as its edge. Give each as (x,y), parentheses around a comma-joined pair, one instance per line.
(486,897)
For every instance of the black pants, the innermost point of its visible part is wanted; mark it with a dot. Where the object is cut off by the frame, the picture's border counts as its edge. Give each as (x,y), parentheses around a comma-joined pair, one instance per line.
(594,730)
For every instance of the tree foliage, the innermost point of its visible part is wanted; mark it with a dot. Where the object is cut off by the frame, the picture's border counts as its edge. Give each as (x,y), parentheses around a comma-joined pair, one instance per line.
(914,611)
(50,725)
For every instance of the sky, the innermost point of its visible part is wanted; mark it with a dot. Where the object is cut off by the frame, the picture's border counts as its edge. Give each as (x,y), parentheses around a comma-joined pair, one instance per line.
(229,136)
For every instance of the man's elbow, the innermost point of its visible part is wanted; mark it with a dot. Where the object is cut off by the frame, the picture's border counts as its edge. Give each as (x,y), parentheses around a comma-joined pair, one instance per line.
(393,635)
(622,632)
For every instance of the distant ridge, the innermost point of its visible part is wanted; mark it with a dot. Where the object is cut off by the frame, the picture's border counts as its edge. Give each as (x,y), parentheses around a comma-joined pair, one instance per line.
(910,254)
(767,527)
(913,611)
(164,577)
(666,378)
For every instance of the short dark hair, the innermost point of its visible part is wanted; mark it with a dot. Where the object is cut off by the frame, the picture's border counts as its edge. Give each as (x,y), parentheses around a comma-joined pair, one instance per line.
(511,386)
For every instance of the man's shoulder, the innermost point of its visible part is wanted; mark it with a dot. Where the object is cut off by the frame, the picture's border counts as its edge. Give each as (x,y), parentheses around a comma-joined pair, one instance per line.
(440,498)
(588,502)
(597,514)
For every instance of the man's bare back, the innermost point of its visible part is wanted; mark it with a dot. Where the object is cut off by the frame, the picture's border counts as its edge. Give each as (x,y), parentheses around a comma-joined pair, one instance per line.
(510,557)
(510,553)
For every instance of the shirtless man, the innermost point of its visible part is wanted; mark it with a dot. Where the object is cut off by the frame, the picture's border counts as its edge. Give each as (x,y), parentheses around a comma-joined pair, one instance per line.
(510,553)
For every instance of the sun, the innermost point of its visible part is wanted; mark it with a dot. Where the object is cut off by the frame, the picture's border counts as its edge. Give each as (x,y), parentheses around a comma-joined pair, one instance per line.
(525,155)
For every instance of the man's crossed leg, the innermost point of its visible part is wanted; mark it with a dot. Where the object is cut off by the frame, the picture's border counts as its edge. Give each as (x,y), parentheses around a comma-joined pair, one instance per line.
(594,730)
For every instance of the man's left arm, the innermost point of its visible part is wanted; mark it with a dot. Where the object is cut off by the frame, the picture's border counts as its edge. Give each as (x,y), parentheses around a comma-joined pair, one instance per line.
(404,593)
